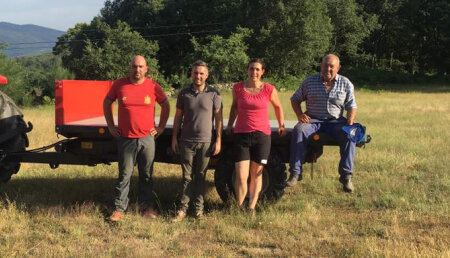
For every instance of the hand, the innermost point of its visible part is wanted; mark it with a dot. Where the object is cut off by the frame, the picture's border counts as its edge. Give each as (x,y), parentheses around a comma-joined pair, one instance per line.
(350,121)
(217,148)
(229,130)
(303,118)
(114,131)
(281,130)
(156,131)
(175,146)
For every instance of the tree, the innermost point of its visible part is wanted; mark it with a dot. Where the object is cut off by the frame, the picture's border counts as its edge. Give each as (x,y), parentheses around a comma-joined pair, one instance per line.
(291,35)
(432,22)
(413,34)
(173,23)
(101,52)
(351,25)
(15,73)
(227,58)
(41,73)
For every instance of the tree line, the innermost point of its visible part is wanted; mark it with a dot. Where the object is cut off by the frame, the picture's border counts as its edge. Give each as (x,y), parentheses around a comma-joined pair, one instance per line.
(408,36)
(380,41)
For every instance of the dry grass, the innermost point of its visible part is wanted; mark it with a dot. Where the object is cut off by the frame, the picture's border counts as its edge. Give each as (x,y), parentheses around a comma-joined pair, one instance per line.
(400,209)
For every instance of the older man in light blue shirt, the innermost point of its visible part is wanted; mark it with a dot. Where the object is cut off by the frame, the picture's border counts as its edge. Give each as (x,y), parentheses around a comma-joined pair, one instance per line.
(327,95)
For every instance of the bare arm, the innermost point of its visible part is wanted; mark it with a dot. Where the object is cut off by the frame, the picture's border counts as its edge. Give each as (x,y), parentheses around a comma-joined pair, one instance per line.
(107,112)
(351,114)
(163,117)
(176,128)
(233,115)
(218,118)
(301,117)
(274,99)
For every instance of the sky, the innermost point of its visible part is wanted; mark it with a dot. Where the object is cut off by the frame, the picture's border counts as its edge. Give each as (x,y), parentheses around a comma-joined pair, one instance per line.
(54,14)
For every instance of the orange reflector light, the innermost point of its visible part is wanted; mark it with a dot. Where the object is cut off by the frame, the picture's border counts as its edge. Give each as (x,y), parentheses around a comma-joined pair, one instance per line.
(316,137)
(101,130)
(87,145)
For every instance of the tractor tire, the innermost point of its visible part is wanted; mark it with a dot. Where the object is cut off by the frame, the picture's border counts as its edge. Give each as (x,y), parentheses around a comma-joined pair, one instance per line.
(274,177)
(17,143)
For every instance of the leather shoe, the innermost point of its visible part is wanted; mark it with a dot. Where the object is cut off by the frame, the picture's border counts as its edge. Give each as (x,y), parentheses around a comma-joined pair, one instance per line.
(180,216)
(293,180)
(150,213)
(347,184)
(199,215)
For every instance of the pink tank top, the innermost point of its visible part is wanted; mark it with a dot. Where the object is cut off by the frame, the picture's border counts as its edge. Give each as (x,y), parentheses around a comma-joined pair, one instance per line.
(253,112)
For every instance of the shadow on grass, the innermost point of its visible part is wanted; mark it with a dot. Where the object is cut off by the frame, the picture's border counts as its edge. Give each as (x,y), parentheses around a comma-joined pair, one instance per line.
(66,193)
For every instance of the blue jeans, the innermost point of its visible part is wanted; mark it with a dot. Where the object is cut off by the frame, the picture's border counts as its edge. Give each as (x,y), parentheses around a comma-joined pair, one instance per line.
(299,141)
(140,151)
(194,163)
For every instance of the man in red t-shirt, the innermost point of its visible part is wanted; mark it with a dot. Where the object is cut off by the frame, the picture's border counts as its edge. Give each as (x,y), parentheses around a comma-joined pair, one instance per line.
(136,132)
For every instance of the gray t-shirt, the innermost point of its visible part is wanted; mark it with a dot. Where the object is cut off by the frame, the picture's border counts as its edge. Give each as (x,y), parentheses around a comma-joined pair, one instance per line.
(198,113)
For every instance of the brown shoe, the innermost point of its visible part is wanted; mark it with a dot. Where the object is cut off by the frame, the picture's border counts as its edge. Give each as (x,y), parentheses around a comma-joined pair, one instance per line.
(115,216)
(199,215)
(150,213)
(347,183)
(180,216)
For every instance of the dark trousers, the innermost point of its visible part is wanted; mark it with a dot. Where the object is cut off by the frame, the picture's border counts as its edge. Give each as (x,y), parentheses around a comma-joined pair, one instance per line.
(299,141)
(194,163)
(140,151)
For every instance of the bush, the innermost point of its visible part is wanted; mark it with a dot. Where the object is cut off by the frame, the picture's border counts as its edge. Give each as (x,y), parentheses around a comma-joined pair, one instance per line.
(289,82)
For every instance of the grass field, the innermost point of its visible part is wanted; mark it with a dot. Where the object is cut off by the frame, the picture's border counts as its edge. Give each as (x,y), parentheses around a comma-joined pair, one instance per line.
(401,207)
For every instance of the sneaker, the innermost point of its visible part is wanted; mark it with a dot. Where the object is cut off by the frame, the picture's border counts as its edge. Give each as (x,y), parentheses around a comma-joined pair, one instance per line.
(293,180)
(180,216)
(347,184)
(199,215)
(115,216)
(150,213)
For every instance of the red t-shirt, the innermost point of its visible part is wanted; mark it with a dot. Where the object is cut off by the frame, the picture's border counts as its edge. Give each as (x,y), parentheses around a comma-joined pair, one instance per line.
(136,106)
(253,111)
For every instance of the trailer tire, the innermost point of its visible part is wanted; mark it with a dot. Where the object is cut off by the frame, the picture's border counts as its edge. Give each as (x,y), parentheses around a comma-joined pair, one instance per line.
(17,143)
(274,177)
(223,176)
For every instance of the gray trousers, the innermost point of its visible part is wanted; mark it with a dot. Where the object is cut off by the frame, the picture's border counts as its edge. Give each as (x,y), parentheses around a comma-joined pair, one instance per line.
(140,151)
(194,159)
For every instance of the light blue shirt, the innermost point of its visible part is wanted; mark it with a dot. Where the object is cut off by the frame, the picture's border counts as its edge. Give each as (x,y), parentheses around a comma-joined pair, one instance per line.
(321,104)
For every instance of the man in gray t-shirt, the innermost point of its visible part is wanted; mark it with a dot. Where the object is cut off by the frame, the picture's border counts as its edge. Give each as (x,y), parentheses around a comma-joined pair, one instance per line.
(198,108)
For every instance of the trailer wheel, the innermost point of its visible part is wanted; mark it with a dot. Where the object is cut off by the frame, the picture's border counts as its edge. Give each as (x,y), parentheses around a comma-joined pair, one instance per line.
(223,176)
(16,143)
(274,177)
(277,173)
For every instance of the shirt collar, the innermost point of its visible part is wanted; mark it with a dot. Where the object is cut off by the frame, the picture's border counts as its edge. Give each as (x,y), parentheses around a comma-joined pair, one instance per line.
(193,90)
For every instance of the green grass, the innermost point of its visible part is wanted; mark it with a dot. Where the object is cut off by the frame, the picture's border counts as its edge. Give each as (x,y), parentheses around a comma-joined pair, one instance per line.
(400,209)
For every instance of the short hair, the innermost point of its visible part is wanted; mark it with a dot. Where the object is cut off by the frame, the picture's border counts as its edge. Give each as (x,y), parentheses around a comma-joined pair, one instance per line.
(331,56)
(136,56)
(200,63)
(257,60)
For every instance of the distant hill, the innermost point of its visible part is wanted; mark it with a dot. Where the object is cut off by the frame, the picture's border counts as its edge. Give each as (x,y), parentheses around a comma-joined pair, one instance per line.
(14,34)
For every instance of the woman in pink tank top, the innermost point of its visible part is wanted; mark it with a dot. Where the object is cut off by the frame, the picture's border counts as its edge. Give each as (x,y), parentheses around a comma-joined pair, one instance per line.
(250,110)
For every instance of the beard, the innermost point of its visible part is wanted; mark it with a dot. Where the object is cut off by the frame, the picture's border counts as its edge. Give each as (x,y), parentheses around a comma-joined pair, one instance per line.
(198,83)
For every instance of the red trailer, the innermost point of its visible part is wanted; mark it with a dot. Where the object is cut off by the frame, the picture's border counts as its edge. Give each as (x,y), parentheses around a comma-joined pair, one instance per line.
(79,117)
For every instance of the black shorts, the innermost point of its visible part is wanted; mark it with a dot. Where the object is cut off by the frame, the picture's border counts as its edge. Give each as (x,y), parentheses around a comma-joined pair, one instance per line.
(254,146)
